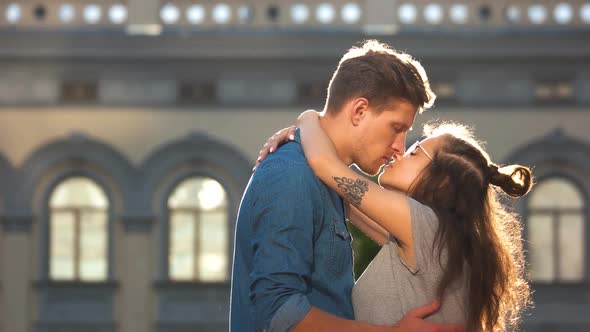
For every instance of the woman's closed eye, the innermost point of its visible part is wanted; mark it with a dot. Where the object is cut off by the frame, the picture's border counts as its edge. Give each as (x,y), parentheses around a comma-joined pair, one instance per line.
(413,149)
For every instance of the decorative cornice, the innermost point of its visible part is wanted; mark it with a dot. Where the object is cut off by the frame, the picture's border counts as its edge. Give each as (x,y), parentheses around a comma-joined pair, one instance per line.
(556,144)
(198,136)
(266,45)
(558,134)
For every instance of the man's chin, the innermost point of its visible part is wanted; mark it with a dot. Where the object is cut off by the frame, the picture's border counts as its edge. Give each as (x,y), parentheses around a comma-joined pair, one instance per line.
(370,171)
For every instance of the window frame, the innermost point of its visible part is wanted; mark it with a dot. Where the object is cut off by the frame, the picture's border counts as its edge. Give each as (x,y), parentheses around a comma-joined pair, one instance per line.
(196,219)
(555,214)
(45,229)
(555,154)
(165,231)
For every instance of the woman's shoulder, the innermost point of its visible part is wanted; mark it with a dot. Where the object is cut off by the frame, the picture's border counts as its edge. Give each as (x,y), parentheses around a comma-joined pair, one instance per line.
(421,214)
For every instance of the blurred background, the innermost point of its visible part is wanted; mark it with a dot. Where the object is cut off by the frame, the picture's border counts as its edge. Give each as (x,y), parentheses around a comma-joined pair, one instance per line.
(128,130)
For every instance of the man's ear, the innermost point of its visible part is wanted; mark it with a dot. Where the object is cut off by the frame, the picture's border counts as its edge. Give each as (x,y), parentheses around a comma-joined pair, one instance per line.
(359,107)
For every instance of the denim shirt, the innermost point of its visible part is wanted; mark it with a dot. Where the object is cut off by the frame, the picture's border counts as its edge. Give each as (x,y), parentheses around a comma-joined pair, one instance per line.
(292,247)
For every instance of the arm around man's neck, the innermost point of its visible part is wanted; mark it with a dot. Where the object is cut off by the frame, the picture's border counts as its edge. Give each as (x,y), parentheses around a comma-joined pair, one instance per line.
(318,320)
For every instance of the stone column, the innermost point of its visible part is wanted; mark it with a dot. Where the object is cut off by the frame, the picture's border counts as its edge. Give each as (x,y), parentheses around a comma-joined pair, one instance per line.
(136,277)
(16,277)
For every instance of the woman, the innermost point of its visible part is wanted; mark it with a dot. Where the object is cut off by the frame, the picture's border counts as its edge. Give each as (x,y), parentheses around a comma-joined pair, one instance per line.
(444,232)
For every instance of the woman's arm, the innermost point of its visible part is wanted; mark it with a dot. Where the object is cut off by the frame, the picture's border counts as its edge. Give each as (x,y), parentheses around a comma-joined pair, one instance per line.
(366,224)
(387,208)
(356,217)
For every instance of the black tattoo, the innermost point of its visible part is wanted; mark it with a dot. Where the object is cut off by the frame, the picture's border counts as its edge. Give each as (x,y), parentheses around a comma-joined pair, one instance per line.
(353,190)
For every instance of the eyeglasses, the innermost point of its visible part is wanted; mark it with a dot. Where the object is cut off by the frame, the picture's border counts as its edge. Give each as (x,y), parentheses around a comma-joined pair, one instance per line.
(412,150)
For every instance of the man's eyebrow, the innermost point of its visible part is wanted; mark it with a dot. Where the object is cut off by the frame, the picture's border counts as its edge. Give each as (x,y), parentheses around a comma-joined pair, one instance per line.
(402,125)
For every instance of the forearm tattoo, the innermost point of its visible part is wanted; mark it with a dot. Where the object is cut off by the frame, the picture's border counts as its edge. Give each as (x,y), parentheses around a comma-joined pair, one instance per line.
(353,190)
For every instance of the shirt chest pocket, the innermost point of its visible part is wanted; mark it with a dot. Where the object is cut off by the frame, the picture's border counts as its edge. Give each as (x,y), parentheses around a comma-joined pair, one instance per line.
(339,248)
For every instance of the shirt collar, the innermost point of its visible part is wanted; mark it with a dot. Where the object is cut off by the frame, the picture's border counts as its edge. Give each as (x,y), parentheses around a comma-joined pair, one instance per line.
(297,136)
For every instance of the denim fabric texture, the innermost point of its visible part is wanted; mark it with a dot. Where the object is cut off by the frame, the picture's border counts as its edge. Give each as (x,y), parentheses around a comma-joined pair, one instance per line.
(292,247)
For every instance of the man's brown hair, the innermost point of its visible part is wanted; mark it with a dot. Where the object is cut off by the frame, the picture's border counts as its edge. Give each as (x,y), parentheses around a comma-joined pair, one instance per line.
(379,73)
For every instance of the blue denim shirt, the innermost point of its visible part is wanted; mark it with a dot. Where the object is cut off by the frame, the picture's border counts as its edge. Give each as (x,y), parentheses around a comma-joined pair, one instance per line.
(292,247)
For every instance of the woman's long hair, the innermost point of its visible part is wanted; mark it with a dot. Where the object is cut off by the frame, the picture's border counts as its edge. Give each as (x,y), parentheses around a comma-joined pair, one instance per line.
(478,233)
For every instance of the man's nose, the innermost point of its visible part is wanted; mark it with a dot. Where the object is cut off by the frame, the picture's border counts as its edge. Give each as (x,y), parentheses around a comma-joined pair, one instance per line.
(399,146)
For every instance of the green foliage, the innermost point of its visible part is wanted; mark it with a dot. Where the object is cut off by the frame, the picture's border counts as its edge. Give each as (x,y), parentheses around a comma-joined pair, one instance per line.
(364,249)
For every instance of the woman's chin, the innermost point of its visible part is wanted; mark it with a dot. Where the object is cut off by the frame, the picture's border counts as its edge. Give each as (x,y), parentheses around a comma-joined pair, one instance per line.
(389,186)
(383,183)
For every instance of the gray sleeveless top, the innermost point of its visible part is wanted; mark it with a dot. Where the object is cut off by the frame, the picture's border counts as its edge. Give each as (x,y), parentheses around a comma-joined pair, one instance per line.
(389,288)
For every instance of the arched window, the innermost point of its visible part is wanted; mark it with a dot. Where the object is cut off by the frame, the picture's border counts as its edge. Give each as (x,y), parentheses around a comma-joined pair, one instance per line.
(78,231)
(556,232)
(198,212)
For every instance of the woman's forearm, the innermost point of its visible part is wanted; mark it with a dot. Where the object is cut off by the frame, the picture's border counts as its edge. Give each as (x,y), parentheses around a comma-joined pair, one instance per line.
(317,146)
(387,208)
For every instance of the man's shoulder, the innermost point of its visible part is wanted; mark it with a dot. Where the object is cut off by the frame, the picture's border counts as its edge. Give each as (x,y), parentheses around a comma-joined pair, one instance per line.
(287,159)
(286,167)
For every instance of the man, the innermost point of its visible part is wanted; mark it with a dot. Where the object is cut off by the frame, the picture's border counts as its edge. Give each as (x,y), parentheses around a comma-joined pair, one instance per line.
(293,259)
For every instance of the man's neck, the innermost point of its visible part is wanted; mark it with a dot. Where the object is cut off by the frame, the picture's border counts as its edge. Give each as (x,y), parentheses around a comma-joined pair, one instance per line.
(338,136)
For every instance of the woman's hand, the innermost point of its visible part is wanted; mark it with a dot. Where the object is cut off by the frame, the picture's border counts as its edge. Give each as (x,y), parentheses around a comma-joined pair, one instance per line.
(272,143)
(283,136)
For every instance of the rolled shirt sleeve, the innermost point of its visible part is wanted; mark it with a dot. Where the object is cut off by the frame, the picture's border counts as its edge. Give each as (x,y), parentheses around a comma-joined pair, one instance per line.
(290,313)
(282,246)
